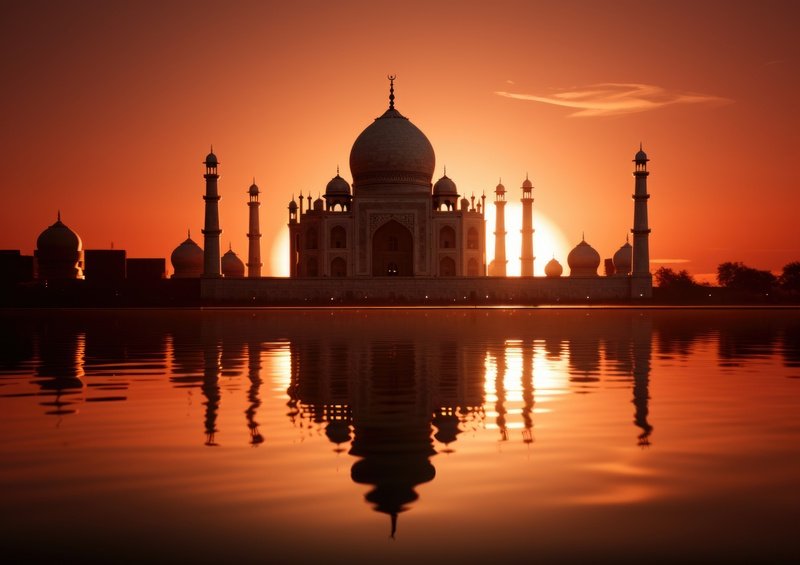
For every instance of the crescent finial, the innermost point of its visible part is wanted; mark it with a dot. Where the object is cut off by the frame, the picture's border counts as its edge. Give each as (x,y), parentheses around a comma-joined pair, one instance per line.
(391,90)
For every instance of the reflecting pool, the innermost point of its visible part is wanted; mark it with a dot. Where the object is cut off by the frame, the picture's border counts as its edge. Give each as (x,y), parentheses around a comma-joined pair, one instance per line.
(394,436)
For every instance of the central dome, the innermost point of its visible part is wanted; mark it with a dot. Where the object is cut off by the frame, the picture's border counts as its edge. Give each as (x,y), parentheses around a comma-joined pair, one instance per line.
(392,152)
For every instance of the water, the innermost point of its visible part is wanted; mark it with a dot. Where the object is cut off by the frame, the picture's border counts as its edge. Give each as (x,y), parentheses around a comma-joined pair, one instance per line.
(391,436)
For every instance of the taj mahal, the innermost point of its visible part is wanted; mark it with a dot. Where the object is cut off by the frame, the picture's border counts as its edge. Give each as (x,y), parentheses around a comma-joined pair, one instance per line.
(391,235)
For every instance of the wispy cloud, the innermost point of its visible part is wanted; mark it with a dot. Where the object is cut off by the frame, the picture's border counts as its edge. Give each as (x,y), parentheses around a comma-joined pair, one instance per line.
(612,98)
(659,261)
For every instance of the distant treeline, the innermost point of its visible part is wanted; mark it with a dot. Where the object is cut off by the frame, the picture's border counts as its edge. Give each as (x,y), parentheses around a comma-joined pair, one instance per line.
(737,282)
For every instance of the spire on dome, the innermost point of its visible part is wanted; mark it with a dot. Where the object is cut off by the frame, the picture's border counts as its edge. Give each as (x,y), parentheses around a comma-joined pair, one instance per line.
(391,90)
(59,215)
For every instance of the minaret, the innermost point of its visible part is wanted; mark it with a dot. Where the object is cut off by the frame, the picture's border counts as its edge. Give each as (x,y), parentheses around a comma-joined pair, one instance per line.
(500,232)
(642,280)
(254,235)
(527,228)
(211,231)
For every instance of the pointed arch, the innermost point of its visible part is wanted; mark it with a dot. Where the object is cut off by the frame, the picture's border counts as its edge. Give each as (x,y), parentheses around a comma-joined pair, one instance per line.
(392,251)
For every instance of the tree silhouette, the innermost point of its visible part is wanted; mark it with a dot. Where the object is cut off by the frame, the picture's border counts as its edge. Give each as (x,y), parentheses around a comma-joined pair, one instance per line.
(667,278)
(790,278)
(738,276)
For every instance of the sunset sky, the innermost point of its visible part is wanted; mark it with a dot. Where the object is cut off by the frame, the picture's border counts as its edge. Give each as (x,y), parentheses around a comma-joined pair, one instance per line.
(109,109)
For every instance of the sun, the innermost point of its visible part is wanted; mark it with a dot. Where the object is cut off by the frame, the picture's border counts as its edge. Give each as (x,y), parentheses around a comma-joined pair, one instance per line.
(548,240)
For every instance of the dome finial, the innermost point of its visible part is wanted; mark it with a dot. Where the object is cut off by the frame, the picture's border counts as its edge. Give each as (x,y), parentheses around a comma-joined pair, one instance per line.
(337,169)
(445,170)
(640,146)
(59,215)
(188,233)
(583,236)
(391,90)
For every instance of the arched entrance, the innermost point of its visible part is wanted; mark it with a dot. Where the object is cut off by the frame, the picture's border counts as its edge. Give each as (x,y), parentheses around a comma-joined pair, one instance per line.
(392,251)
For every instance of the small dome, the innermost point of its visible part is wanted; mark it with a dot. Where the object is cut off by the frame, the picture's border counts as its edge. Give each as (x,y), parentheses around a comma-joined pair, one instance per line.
(337,186)
(319,205)
(59,237)
(583,260)
(464,204)
(232,266)
(187,259)
(527,183)
(211,160)
(253,190)
(500,189)
(641,156)
(623,259)
(292,205)
(445,187)
(59,253)
(553,268)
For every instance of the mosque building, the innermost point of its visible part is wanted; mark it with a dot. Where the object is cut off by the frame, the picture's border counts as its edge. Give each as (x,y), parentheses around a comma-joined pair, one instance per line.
(393,221)
(392,235)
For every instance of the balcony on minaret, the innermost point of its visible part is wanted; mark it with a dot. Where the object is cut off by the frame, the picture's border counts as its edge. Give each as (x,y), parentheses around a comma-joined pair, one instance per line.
(527,189)
(500,193)
(211,163)
(640,159)
(253,192)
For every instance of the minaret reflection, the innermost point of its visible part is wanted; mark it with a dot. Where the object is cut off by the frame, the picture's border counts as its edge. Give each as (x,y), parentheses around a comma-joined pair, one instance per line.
(500,392)
(253,398)
(527,393)
(642,353)
(210,389)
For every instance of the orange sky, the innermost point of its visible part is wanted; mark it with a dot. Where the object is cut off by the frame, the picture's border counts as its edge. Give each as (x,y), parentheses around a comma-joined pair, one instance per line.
(110,108)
